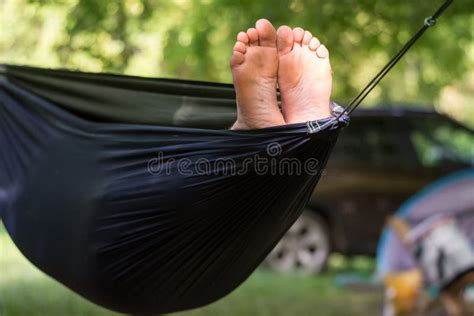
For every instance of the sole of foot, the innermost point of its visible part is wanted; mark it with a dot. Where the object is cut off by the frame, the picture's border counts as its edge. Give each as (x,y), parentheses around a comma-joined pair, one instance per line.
(254,65)
(304,76)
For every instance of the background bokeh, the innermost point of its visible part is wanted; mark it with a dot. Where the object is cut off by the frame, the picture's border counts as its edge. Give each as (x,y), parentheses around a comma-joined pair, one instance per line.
(192,39)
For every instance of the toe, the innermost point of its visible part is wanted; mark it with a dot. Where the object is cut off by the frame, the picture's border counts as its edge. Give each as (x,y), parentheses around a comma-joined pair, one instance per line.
(266,33)
(322,52)
(307,37)
(243,37)
(237,59)
(298,34)
(284,40)
(314,44)
(240,47)
(252,33)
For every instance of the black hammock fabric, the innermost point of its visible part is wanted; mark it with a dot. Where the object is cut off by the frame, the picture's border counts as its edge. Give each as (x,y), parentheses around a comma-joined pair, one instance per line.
(131,192)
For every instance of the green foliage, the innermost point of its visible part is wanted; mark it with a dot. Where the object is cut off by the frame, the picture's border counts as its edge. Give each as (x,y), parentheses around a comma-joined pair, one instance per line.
(193,39)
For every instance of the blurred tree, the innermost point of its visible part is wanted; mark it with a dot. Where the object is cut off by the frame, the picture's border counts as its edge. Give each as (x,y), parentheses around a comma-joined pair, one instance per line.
(192,39)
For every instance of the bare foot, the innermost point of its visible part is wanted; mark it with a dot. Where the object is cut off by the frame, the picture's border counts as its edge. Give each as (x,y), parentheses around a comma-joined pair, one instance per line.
(304,76)
(254,65)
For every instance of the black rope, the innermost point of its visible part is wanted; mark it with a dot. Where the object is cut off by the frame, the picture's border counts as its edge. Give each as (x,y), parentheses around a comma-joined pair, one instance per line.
(428,22)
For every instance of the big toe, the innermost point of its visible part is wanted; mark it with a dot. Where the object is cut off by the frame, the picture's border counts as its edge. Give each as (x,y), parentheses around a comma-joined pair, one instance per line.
(266,33)
(284,39)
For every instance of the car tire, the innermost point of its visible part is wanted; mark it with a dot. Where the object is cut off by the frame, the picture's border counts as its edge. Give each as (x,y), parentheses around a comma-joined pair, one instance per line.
(304,248)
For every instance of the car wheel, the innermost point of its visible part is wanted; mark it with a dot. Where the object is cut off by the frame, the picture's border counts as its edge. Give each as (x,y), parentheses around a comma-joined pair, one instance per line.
(304,248)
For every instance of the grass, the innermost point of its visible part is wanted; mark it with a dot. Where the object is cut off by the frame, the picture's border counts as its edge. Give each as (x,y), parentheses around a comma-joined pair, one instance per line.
(26,291)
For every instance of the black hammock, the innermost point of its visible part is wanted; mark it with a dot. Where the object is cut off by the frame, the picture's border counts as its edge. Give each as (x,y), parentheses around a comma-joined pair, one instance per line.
(111,185)
(99,204)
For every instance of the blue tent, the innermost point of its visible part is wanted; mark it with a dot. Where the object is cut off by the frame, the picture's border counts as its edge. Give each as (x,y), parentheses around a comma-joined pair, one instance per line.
(451,196)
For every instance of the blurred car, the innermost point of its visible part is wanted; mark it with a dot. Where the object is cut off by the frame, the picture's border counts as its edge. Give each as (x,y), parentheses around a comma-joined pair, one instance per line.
(383,157)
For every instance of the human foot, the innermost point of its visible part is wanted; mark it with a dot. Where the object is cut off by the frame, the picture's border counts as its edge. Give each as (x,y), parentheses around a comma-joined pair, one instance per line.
(254,65)
(304,76)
